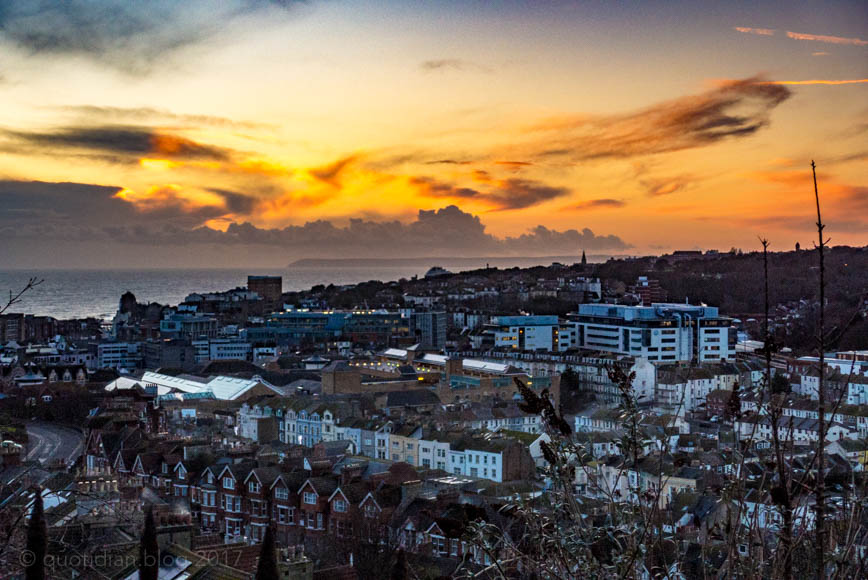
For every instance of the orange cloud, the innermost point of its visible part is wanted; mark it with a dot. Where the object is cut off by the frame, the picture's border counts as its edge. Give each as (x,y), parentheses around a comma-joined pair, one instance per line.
(827,39)
(759,31)
(171,197)
(817,82)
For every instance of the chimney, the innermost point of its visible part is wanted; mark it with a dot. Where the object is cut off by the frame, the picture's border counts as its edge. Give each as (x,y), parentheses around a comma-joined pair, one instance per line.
(454,366)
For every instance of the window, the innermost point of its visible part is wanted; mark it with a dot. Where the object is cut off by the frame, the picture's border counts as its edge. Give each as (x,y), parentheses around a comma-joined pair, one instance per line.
(340,505)
(310,498)
(493,474)
(319,521)
(281,493)
(228,483)
(409,446)
(370,510)
(253,487)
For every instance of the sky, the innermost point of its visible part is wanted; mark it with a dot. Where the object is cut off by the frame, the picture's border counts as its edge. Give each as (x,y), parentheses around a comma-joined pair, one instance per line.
(252,133)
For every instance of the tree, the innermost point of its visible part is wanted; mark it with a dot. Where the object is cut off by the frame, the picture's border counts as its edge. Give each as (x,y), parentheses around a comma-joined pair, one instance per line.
(267,567)
(149,550)
(399,570)
(15,298)
(780,384)
(37,540)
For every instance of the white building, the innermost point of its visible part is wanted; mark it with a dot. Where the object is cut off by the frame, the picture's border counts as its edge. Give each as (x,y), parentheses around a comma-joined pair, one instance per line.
(659,333)
(221,349)
(118,355)
(531,333)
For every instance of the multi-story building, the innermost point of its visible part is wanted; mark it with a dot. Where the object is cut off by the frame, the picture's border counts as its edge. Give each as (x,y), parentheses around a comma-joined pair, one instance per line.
(169,352)
(115,355)
(188,325)
(649,291)
(660,333)
(526,333)
(270,288)
(221,349)
(429,328)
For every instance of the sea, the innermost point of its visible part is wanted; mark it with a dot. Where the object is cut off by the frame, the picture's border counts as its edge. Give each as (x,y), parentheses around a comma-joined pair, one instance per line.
(67,294)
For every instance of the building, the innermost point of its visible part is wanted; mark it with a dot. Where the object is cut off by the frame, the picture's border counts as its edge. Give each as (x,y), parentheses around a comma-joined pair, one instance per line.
(660,332)
(174,353)
(119,355)
(188,325)
(221,349)
(221,388)
(429,328)
(530,334)
(526,333)
(270,288)
(649,291)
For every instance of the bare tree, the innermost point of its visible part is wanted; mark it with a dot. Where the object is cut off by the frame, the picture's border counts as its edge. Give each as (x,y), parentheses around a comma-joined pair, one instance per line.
(820,484)
(15,298)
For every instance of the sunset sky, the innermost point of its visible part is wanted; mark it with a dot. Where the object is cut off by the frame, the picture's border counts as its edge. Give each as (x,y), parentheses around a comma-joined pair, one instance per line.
(252,133)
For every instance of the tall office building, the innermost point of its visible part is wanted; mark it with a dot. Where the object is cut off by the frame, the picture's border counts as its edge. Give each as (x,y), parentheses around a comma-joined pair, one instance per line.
(660,332)
(270,288)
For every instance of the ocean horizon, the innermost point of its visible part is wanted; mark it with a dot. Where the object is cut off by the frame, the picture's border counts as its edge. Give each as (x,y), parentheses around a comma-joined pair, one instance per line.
(82,293)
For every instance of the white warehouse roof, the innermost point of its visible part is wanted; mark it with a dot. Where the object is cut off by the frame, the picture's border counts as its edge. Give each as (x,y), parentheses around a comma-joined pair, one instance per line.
(224,388)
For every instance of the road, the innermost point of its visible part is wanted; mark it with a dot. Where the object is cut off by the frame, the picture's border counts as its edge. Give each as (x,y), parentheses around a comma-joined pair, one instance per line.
(49,442)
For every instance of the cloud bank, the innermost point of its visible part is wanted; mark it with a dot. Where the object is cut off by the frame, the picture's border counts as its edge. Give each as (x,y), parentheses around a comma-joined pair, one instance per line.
(43,214)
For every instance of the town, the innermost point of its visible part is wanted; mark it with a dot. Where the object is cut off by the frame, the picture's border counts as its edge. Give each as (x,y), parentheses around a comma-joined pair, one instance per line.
(396,425)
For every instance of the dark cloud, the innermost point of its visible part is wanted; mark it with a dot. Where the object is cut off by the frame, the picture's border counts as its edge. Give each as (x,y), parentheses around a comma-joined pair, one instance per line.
(447,231)
(735,109)
(540,238)
(656,187)
(522,193)
(331,173)
(452,64)
(237,203)
(503,194)
(120,141)
(130,36)
(447,162)
(38,215)
(598,203)
(80,211)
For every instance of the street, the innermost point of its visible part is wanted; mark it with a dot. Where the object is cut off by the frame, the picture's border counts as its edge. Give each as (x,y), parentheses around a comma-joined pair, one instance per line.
(49,442)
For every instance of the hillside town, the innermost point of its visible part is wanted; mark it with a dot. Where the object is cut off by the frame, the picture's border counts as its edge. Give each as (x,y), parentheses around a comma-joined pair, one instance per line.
(391,432)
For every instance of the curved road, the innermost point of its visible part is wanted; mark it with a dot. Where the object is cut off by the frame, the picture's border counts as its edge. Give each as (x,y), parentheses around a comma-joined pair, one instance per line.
(49,442)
